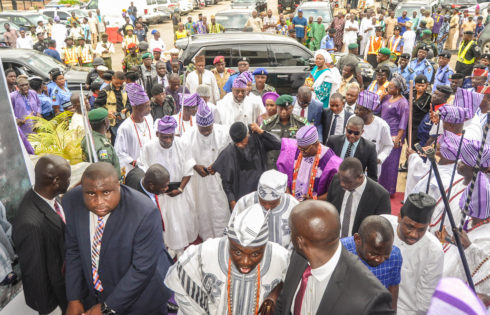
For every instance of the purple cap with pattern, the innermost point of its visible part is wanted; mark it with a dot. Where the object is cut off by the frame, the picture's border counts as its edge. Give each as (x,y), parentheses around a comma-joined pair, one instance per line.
(307,135)
(240,83)
(247,75)
(136,94)
(167,125)
(453,114)
(449,145)
(190,100)
(204,115)
(469,100)
(479,206)
(469,153)
(368,100)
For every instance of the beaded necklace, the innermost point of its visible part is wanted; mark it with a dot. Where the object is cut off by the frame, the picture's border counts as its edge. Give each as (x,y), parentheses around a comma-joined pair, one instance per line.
(257,289)
(181,123)
(314,169)
(137,133)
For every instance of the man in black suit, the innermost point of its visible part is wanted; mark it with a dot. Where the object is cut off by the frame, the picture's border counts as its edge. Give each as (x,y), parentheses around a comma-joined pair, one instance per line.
(39,236)
(334,118)
(115,255)
(353,142)
(154,182)
(356,196)
(323,277)
(161,77)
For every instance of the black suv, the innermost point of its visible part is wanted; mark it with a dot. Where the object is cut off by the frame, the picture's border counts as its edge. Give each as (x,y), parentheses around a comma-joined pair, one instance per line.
(287,61)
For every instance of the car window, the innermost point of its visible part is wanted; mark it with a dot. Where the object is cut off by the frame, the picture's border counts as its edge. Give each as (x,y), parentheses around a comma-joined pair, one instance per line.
(20,20)
(49,13)
(232,21)
(93,5)
(212,51)
(289,55)
(257,54)
(315,12)
(63,15)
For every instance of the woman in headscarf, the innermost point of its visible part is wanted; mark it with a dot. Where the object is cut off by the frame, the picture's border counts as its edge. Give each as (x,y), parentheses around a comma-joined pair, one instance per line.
(394,110)
(338,24)
(269,100)
(324,79)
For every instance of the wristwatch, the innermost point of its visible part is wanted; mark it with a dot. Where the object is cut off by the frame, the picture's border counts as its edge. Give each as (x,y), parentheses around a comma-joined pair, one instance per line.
(106,310)
(180,189)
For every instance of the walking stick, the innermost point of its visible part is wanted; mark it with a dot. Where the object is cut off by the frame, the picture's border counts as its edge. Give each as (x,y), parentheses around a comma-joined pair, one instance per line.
(92,154)
(430,153)
(452,179)
(430,170)
(410,117)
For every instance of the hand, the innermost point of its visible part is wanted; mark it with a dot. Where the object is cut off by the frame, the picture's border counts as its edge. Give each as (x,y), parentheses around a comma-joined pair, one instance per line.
(465,241)
(94,310)
(396,142)
(442,235)
(20,122)
(174,193)
(379,161)
(75,308)
(255,128)
(410,151)
(232,204)
(434,117)
(484,298)
(211,171)
(267,307)
(201,170)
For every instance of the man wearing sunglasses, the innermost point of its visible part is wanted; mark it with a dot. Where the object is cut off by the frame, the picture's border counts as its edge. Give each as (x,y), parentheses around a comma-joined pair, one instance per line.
(352,144)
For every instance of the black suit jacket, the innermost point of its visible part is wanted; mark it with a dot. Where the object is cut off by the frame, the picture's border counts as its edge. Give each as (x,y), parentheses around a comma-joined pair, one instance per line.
(133,179)
(374,200)
(352,288)
(133,260)
(327,116)
(365,152)
(39,239)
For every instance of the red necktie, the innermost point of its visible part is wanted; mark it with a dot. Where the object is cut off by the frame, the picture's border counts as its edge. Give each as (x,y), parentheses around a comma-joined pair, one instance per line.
(158,205)
(58,211)
(298,301)
(302,114)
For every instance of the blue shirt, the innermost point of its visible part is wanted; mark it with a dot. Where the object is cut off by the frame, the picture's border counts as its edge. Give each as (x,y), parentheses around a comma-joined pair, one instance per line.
(408,74)
(388,272)
(344,148)
(46,104)
(60,97)
(299,26)
(423,67)
(401,19)
(442,77)
(51,85)
(327,43)
(229,84)
(52,53)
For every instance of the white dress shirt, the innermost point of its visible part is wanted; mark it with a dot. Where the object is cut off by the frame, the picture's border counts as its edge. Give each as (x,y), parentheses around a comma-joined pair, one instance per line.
(355,203)
(316,285)
(51,202)
(297,110)
(350,108)
(339,125)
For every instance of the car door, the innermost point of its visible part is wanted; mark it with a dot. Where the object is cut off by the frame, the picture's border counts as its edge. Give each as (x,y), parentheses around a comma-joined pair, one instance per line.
(289,67)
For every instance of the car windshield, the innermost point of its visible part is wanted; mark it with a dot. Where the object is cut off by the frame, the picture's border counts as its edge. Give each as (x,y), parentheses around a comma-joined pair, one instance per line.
(44,63)
(314,12)
(232,21)
(36,17)
(410,9)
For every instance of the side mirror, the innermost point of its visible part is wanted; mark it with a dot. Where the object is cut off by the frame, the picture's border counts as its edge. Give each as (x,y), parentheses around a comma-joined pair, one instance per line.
(311,63)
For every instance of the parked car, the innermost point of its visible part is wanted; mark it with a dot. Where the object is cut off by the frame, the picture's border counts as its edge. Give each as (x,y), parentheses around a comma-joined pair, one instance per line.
(457,4)
(483,6)
(234,19)
(148,9)
(12,26)
(56,4)
(33,63)
(287,61)
(64,13)
(259,5)
(484,40)
(186,6)
(287,5)
(316,9)
(414,5)
(24,19)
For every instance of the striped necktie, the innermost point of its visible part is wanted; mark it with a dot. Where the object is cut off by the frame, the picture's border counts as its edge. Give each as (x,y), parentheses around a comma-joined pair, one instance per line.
(58,211)
(349,150)
(95,254)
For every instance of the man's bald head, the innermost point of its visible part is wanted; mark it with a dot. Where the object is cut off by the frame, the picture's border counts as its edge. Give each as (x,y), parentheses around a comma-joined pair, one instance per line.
(100,170)
(378,226)
(374,240)
(52,176)
(156,179)
(75,97)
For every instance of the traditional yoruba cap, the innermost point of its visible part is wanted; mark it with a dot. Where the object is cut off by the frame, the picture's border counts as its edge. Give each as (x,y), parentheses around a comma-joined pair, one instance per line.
(469,100)
(97,114)
(457,76)
(353,46)
(203,90)
(385,51)
(468,32)
(157,89)
(272,185)
(479,72)
(285,100)
(421,79)
(419,207)
(452,114)
(446,89)
(56,18)
(238,131)
(136,94)
(131,45)
(449,144)
(326,55)
(247,75)
(453,296)
(367,99)
(240,83)
(378,28)
(306,135)
(260,71)
(157,49)
(68,38)
(483,89)
(427,32)
(405,56)
(190,100)
(445,54)
(269,96)
(469,153)
(479,206)
(167,125)
(250,228)
(204,115)
(218,59)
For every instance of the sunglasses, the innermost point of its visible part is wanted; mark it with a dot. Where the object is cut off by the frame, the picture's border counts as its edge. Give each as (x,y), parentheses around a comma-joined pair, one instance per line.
(352,132)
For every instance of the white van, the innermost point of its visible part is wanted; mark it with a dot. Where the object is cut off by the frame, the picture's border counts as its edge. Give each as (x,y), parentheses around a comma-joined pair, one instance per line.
(112,10)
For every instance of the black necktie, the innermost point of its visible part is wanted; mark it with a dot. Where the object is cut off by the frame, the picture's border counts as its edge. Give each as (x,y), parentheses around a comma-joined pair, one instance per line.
(349,150)
(334,125)
(347,214)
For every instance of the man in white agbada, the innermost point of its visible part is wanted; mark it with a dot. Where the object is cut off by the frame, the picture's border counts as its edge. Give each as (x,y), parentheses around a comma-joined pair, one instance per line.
(233,274)
(422,254)
(376,129)
(351,29)
(185,118)
(202,76)
(58,33)
(205,143)
(177,205)
(238,105)
(366,31)
(271,196)
(137,130)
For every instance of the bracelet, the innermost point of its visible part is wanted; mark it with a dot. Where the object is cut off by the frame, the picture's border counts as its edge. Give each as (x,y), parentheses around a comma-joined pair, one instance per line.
(180,189)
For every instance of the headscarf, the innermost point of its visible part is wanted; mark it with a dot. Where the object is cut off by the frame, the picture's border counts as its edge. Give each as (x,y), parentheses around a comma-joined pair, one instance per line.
(269,96)
(326,55)
(399,82)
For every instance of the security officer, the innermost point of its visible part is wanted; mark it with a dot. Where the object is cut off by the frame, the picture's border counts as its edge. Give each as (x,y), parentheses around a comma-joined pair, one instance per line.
(69,54)
(395,42)
(456,81)
(103,148)
(444,72)
(383,59)
(284,124)
(259,88)
(404,69)
(468,52)
(380,84)
(421,65)
(243,65)
(428,44)
(93,74)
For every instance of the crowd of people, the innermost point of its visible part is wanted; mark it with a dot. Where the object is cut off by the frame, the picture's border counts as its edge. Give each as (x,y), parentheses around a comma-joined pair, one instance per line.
(210,193)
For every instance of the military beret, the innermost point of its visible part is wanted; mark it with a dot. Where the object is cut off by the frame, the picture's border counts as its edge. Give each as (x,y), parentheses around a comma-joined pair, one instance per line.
(457,76)
(352,46)
(427,32)
(385,51)
(405,56)
(260,71)
(147,55)
(244,59)
(445,54)
(468,33)
(421,79)
(97,114)
(485,56)
(446,89)
(285,100)
(398,28)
